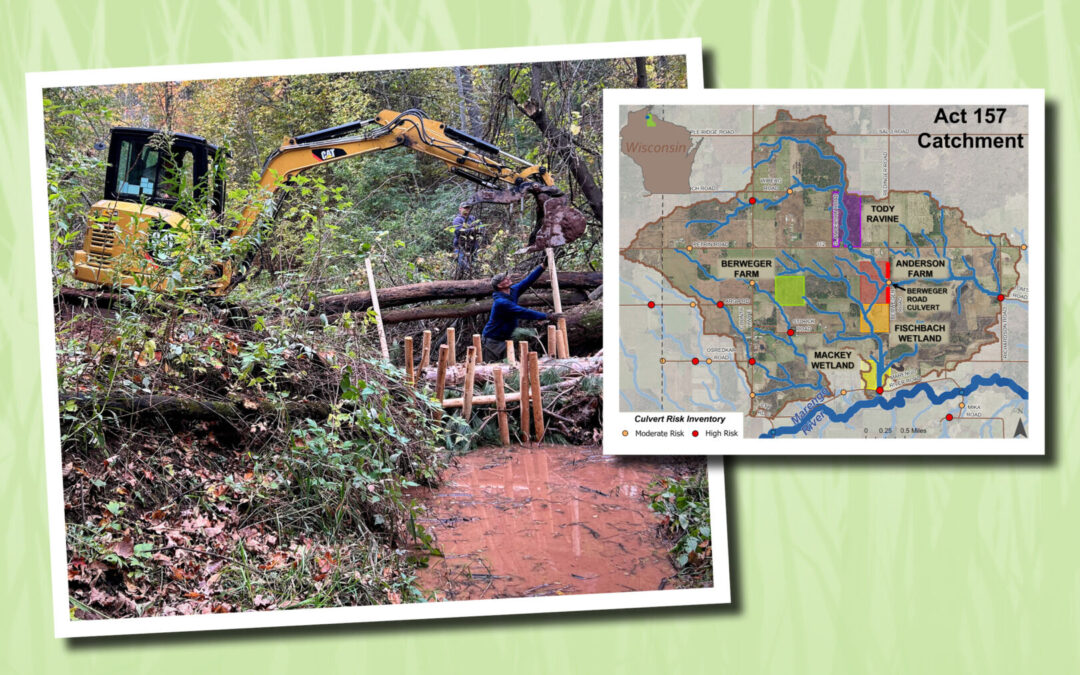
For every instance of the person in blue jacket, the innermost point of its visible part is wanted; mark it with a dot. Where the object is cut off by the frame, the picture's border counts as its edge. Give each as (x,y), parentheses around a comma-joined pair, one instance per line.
(506,312)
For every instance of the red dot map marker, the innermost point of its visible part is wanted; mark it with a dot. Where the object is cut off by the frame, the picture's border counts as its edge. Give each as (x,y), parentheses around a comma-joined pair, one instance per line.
(1001,297)
(753,200)
(651,304)
(790,331)
(695,433)
(881,390)
(695,361)
(753,361)
(720,304)
(948,417)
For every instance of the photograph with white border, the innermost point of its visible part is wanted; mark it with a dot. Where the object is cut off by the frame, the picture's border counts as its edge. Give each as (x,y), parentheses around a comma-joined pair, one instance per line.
(237,435)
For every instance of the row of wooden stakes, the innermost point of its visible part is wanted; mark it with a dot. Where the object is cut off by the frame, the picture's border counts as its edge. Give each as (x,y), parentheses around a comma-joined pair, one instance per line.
(527,363)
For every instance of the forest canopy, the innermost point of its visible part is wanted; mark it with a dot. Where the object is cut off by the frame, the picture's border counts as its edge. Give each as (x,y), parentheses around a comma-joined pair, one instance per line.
(396,204)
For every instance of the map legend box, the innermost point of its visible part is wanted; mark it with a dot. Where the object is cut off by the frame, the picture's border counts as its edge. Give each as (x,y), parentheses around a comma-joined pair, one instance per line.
(679,433)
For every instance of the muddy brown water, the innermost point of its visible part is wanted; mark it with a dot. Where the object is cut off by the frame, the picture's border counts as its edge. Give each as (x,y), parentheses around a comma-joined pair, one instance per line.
(549,520)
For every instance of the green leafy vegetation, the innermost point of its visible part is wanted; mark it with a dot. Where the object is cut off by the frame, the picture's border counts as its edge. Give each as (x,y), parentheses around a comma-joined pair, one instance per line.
(240,453)
(683,504)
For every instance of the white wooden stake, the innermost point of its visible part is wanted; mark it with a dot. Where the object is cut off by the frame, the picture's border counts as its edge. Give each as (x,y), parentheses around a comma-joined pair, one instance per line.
(375,306)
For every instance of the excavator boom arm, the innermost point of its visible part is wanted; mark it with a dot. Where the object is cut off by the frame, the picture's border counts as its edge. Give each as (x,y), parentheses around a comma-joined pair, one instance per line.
(464,155)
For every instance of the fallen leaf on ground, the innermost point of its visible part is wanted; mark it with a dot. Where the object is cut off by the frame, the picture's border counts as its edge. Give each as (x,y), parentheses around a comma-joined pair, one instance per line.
(124,548)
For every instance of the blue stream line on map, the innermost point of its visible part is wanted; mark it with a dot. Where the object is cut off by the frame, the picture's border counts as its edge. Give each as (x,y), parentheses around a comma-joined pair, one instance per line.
(898,252)
(840,278)
(637,292)
(719,224)
(841,187)
(918,254)
(824,274)
(633,360)
(701,350)
(900,400)
(727,311)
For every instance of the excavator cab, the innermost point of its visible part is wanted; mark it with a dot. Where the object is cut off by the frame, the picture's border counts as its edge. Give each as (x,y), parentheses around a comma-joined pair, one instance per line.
(151,168)
(152,181)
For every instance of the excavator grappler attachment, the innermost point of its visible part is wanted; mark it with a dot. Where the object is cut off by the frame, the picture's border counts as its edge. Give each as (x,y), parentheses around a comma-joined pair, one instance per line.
(557,223)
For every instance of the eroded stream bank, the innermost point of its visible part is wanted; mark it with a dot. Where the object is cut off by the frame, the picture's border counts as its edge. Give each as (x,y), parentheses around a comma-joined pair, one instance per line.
(550,520)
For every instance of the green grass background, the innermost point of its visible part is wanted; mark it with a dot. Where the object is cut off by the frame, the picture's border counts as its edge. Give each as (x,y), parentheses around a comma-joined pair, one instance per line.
(842,565)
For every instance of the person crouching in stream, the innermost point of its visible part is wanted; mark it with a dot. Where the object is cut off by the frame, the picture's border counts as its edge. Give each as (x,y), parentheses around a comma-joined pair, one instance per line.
(506,312)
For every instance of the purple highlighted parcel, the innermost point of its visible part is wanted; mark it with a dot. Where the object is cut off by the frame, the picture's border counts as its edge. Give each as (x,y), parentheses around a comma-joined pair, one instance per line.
(853,206)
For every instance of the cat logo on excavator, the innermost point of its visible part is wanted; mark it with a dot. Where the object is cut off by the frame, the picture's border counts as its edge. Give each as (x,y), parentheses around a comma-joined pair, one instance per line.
(328,153)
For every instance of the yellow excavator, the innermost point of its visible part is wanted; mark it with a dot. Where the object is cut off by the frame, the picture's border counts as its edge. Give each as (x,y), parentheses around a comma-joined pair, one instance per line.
(128,236)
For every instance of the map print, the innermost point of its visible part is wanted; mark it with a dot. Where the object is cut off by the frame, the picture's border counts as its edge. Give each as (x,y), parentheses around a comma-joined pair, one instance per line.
(824,272)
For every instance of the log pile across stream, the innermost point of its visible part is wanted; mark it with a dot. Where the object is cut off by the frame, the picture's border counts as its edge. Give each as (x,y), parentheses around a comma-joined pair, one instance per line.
(578,330)
(579,294)
(468,309)
(429,291)
(568,368)
(577,288)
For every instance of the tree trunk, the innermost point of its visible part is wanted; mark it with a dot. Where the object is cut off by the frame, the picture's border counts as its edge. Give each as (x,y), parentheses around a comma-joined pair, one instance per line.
(562,143)
(395,296)
(457,311)
(641,81)
(585,327)
(455,375)
(470,112)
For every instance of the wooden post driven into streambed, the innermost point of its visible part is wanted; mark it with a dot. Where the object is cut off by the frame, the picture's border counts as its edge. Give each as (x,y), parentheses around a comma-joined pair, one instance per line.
(500,406)
(440,380)
(523,380)
(425,351)
(477,346)
(562,344)
(467,392)
(410,375)
(528,397)
(534,394)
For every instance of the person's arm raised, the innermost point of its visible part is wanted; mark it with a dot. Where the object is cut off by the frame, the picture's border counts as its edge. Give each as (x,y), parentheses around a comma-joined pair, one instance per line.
(529,280)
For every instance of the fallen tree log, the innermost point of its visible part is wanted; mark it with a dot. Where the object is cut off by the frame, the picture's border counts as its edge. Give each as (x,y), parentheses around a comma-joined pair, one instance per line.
(456,311)
(183,408)
(557,388)
(455,375)
(568,411)
(395,296)
(585,327)
(482,399)
(85,297)
(232,314)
